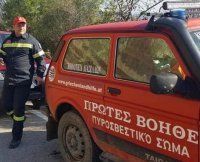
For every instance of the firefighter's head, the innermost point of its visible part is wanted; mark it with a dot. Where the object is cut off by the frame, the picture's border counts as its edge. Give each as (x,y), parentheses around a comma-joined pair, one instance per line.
(19,25)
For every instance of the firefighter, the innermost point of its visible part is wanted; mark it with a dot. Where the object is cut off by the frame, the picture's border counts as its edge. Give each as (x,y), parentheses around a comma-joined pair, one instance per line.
(20,51)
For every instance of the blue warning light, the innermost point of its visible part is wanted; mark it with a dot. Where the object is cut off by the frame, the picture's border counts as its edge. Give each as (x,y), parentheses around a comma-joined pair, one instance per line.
(178,13)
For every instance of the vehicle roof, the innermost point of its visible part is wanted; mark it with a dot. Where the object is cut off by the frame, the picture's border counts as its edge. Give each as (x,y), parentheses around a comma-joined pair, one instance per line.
(124,27)
(111,27)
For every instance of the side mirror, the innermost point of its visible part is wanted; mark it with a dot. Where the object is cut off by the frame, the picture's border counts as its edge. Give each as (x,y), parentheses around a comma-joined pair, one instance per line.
(166,83)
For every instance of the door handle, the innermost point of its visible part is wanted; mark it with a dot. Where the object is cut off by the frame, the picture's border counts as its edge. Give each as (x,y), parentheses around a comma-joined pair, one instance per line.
(114,91)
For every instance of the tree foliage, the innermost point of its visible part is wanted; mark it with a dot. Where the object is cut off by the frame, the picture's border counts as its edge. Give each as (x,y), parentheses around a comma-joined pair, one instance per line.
(49,19)
(64,15)
(124,10)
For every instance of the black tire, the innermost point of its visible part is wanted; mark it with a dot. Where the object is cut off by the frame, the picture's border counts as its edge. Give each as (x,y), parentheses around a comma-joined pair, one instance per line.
(76,144)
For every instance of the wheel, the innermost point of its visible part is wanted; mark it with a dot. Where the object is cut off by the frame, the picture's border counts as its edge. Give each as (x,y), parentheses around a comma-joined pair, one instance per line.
(76,144)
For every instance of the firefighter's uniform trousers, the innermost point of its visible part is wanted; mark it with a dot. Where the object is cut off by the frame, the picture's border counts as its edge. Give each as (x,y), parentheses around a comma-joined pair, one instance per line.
(14,98)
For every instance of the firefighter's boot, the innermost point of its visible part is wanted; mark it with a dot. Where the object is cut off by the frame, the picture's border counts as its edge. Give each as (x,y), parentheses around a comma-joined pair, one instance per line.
(14,144)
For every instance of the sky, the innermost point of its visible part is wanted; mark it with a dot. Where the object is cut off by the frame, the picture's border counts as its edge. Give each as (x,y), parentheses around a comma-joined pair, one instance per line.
(157,7)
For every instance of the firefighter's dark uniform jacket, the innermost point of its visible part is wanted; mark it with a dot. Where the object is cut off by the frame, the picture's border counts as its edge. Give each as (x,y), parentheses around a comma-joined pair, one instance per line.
(19,54)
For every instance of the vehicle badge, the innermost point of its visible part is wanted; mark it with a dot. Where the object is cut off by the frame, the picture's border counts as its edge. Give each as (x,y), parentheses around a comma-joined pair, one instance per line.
(52,73)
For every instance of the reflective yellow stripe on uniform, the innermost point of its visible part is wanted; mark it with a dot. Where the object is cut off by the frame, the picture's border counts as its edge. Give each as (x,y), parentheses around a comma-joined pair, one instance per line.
(16,118)
(38,54)
(17,45)
(10,113)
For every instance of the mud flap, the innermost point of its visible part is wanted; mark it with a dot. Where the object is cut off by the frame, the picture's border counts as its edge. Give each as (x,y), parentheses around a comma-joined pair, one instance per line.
(2,109)
(52,128)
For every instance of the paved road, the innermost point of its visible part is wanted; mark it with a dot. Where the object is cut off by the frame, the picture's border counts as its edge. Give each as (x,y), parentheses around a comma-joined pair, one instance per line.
(34,147)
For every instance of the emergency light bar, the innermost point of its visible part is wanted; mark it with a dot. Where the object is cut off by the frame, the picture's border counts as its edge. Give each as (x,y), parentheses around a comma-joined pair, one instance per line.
(180,5)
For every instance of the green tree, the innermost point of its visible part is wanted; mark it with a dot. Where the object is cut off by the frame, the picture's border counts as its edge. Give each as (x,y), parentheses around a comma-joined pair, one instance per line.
(108,12)
(31,9)
(124,10)
(64,15)
(49,19)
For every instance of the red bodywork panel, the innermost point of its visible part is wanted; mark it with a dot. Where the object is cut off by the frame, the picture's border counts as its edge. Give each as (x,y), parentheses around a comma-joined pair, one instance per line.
(3,35)
(160,126)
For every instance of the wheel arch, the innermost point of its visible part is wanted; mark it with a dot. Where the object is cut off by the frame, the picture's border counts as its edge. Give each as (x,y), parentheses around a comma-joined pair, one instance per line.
(63,108)
(66,107)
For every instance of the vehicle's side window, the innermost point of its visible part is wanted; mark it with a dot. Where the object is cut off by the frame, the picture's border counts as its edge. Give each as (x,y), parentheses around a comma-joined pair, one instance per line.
(87,55)
(139,58)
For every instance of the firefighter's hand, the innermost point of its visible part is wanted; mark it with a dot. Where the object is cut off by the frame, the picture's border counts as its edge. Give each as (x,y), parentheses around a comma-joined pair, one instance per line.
(1,61)
(38,80)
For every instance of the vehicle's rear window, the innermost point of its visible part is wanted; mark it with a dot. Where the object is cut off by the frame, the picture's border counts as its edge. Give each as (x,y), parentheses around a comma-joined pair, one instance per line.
(87,55)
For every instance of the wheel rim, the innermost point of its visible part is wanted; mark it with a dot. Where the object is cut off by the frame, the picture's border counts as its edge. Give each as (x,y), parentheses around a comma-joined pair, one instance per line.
(74,142)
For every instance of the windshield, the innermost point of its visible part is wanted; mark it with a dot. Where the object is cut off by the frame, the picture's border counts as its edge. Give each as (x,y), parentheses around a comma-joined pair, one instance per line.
(196,37)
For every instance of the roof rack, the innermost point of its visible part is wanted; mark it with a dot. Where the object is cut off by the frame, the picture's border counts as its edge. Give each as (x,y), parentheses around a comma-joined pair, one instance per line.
(180,5)
(192,9)
(178,9)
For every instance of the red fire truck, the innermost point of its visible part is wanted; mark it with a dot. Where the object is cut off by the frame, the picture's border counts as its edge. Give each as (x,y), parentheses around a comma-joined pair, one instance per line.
(128,91)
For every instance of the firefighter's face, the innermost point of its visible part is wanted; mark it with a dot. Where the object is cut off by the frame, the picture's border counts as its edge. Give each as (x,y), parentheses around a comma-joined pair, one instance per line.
(20,29)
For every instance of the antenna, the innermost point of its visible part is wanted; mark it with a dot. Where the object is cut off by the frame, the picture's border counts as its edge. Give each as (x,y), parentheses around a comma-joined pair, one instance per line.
(143,12)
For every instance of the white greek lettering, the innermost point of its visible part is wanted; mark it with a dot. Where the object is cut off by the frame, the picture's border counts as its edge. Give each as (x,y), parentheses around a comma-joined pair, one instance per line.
(87,105)
(178,132)
(102,109)
(126,129)
(172,147)
(110,111)
(166,145)
(153,126)
(148,139)
(94,107)
(118,114)
(185,152)
(165,126)
(140,121)
(127,117)
(192,136)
